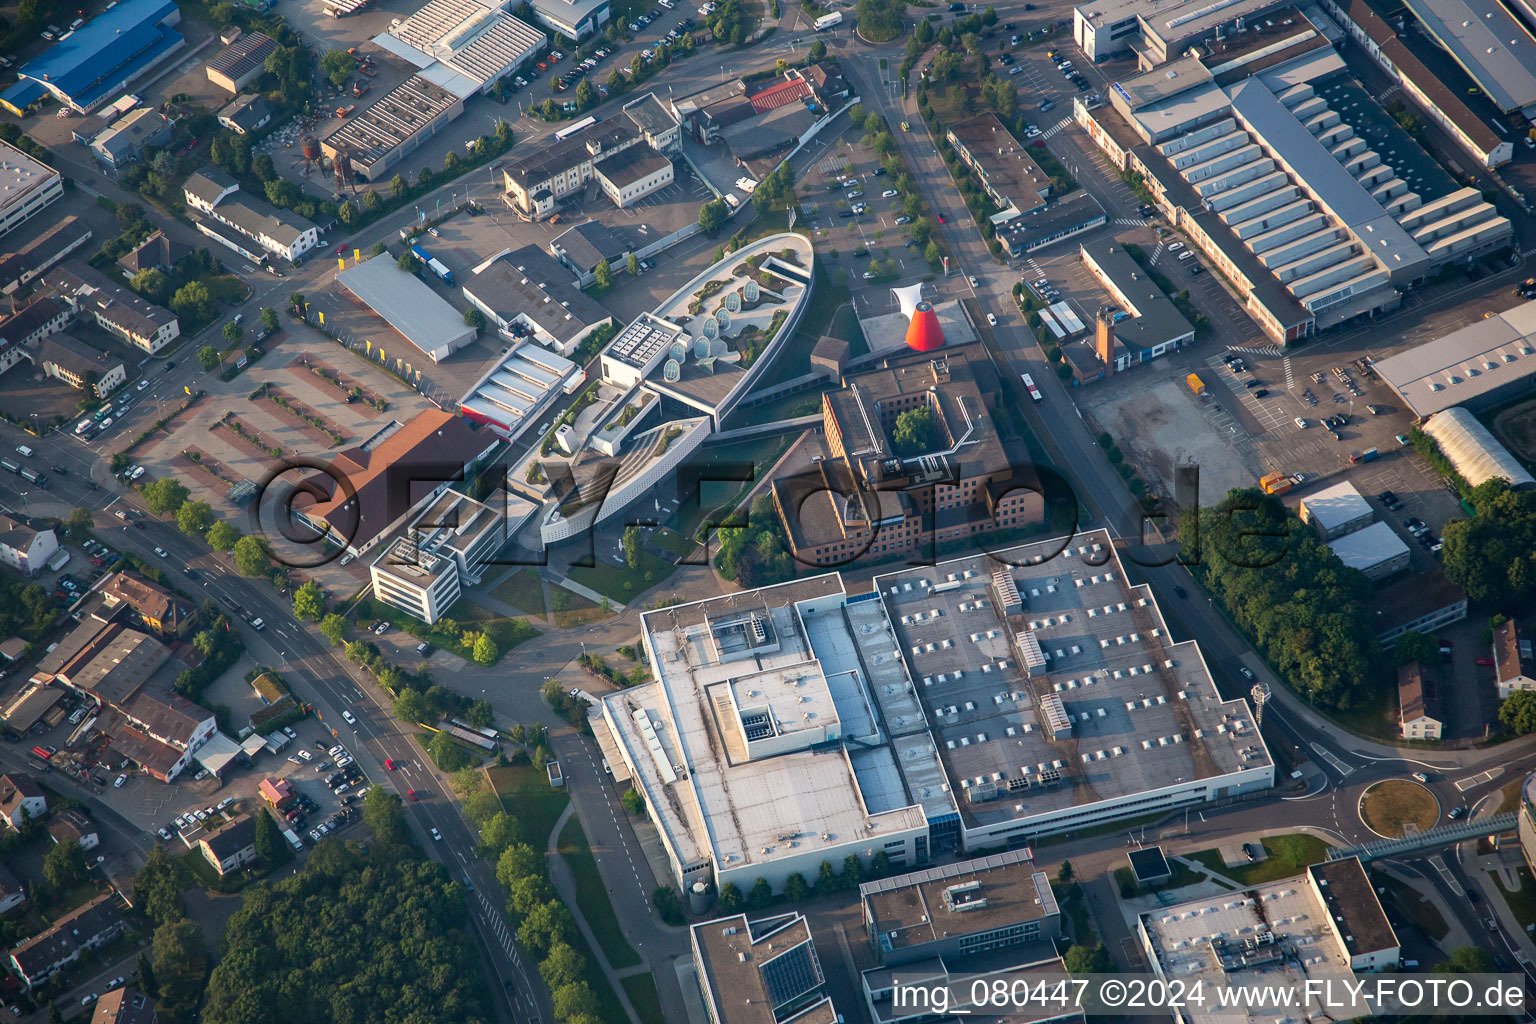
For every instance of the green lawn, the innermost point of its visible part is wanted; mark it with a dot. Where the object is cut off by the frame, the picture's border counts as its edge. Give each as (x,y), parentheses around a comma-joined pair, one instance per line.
(592,896)
(621,583)
(507,632)
(1182,875)
(228,289)
(523,589)
(1522,902)
(527,795)
(1288,855)
(641,989)
(671,541)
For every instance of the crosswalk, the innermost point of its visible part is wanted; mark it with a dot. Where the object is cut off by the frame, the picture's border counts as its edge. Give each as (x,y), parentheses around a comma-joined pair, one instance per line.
(1130,222)
(1257,350)
(1055,128)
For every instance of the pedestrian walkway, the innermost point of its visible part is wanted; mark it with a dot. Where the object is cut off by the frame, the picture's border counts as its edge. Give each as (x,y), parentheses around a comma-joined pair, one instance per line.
(576,588)
(1056,128)
(565,884)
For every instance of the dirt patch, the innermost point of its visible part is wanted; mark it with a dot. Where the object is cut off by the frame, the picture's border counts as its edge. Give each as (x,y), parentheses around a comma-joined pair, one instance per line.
(1516,427)
(1397,807)
(1161,426)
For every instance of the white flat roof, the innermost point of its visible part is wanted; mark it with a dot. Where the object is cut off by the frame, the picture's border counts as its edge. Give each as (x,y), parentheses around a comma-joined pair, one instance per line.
(1335,506)
(1368,548)
(1466,364)
(1486,39)
(409,306)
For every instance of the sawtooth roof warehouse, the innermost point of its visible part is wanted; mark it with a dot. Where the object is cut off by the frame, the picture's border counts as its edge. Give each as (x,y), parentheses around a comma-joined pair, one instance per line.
(972,705)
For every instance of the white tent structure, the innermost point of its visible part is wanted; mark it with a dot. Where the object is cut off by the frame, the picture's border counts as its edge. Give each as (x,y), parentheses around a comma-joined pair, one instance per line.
(907,298)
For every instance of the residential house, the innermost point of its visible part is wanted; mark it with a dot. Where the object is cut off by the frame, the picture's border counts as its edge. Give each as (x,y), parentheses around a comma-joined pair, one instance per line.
(87,927)
(1514,662)
(73,824)
(159,608)
(246,113)
(12,894)
(81,366)
(279,232)
(115,308)
(125,1006)
(231,847)
(21,798)
(25,548)
(157,252)
(1418,701)
(124,142)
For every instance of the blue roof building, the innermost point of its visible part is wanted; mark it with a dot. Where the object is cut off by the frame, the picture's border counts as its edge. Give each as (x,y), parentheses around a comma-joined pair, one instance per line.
(90,65)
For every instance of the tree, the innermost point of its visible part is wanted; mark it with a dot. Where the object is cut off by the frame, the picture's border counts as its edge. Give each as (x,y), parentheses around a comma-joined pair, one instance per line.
(145,975)
(827,881)
(163,497)
(65,865)
(632,264)
(544,925)
(152,284)
(485,651)
(574,1002)
(194,518)
(795,888)
(518,861)
(1467,960)
(385,817)
(269,319)
(157,886)
(407,262)
(818,50)
(633,801)
(283,193)
(193,301)
(222,536)
(232,332)
(668,904)
(586,94)
(78,525)
(1414,646)
(270,845)
(1517,713)
(603,273)
(410,706)
(448,755)
(208,356)
(308,602)
(334,627)
(712,216)
(634,547)
(730,899)
(337,65)
(933,254)
(474,318)
(181,962)
(252,556)
(1066,874)
(54,1017)
(760,896)
(880,21)
(1082,960)
(917,431)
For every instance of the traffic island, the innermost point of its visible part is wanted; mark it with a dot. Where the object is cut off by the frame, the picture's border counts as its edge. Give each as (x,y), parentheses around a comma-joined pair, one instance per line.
(1398,807)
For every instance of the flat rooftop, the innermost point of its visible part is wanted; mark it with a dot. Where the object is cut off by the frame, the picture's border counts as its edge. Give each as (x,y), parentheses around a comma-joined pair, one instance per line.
(730,804)
(1336,505)
(409,306)
(925,906)
(1143,712)
(1275,934)
(758,972)
(21,175)
(1369,547)
(378,130)
(1464,366)
(1154,318)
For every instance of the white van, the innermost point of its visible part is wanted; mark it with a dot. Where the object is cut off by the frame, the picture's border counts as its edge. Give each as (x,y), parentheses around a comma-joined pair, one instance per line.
(1301,423)
(24,450)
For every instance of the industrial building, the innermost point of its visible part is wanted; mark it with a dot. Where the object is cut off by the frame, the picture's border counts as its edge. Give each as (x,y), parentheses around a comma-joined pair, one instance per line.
(1418,701)
(1485,363)
(527,293)
(1324,924)
(581,247)
(536,182)
(464,46)
(1378,36)
(388,477)
(1473,450)
(1376,550)
(516,391)
(117,310)
(86,67)
(374,140)
(1152,325)
(760,972)
(59,238)
(993,916)
(1009,175)
(573,19)
(781,732)
(1493,46)
(1154,32)
(444,551)
(30,186)
(1253,156)
(1336,510)
(241,62)
(123,142)
(1514,658)
(415,311)
(1071,215)
(80,365)
(276,231)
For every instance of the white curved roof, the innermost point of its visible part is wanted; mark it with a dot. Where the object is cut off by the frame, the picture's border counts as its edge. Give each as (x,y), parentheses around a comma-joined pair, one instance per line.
(1473,450)
(907,298)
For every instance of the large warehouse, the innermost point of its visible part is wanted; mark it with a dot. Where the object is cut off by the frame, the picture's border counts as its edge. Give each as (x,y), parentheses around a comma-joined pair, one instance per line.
(86,67)
(1483,364)
(1254,155)
(1492,45)
(30,185)
(409,306)
(1473,450)
(1029,693)
(463,45)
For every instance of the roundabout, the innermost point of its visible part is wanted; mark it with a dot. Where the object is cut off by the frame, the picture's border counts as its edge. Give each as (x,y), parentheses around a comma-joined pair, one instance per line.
(1394,808)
